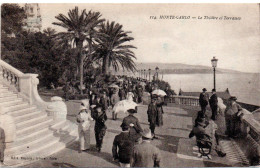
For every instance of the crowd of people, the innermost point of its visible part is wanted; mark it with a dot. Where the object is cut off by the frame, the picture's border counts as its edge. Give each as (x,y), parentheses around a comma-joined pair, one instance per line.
(131,147)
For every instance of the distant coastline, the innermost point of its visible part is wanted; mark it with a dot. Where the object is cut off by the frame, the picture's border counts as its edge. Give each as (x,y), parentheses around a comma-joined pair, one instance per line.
(178,68)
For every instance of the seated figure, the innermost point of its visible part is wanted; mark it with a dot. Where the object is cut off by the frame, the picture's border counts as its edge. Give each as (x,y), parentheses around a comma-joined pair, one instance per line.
(206,137)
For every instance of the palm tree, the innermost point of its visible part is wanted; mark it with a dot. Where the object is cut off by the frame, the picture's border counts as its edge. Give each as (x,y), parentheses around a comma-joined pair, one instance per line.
(79,27)
(49,31)
(111,48)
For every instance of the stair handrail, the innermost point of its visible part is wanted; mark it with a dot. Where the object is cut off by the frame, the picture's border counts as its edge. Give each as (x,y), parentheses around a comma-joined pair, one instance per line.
(10,76)
(10,68)
(26,86)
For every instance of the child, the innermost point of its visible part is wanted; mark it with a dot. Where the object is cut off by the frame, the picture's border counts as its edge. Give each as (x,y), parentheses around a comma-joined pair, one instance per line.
(100,128)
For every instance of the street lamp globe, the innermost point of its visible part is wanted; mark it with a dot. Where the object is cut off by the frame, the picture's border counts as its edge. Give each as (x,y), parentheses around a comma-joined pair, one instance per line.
(214,62)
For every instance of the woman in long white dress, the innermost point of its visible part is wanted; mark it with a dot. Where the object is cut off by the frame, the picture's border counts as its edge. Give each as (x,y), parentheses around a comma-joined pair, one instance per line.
(84,118)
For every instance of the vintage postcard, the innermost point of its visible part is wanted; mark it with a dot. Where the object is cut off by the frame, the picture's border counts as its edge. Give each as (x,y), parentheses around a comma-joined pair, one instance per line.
(130,85)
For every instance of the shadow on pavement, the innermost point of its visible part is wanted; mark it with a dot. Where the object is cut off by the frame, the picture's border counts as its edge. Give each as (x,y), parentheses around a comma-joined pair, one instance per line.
(214,164)
(114,131)
(104,155)
(62,165)
(169,143)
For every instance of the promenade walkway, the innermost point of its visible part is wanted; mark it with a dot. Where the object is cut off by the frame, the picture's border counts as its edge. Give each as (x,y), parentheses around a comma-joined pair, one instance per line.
(176,148)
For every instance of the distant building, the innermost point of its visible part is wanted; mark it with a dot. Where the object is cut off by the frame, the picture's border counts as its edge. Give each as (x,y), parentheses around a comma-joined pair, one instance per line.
(33,22)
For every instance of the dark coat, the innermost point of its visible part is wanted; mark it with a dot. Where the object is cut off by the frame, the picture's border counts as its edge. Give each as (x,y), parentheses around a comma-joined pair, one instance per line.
(122,94)
(122,147)
(203,100)
(100,121)
(213,101)
(152,113)
(145,155)
(104,102)
(135,131)
(159,117)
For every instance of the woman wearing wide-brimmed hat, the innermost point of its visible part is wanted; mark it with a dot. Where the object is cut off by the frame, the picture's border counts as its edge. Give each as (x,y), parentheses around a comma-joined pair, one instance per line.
(84,118)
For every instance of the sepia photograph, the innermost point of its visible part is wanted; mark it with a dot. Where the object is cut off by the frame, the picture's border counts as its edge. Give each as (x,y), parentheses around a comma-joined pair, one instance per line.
(130,85)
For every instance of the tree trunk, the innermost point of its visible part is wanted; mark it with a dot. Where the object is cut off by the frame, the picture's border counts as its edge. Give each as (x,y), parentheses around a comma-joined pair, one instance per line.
(79,44)
(105,65)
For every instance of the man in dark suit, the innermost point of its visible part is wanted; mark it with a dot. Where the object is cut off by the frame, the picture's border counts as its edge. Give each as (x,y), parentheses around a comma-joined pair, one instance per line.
(152,113)
(123,147)
(104,101)
(100,127)
(122,94)
(135,127)
(203,100)
(213,102)
(146,154)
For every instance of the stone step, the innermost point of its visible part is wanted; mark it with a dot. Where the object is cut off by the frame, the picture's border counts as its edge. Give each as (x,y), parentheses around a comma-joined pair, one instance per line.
(8,94)
(41,152)
(23,111)
(34,128)
(18,106)
(13,102)
(28,116)
(33,121)
(8,97)
(35,135)
(23,149)
(3,89)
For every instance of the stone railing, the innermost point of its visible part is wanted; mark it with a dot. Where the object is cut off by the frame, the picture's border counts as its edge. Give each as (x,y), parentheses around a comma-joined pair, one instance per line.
(25,85)
(249,126)
(10,76)
(184,100)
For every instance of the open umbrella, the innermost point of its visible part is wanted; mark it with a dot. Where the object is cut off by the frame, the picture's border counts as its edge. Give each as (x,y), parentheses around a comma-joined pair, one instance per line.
(159,92)
(113,86)
(124,105)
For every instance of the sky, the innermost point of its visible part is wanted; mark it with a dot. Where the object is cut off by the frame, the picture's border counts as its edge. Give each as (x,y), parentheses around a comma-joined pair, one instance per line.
(191,41)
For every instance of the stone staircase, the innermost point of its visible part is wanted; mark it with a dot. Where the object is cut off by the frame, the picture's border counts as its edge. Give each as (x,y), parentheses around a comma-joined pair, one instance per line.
(37,135)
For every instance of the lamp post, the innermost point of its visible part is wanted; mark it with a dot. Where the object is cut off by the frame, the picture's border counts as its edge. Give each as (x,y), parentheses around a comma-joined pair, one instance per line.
(157,75)
(214,62)
(149,74)
(145,74)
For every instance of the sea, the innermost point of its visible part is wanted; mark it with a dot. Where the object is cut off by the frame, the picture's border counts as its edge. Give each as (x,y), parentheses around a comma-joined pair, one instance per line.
(245,86)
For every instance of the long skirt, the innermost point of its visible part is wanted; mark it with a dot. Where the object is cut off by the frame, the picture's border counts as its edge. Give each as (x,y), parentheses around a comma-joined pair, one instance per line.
(84,140)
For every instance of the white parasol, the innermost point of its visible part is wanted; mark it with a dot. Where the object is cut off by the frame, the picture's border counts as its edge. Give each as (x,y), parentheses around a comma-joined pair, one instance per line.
(124,105)
(159,92)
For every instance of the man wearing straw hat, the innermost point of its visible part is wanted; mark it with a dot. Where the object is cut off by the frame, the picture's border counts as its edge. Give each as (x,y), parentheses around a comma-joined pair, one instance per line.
(146,154)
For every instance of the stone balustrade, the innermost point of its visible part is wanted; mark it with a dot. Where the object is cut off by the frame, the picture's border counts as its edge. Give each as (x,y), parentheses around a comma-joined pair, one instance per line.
(10,76)
(25,85)
(184,100)
(249,127)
